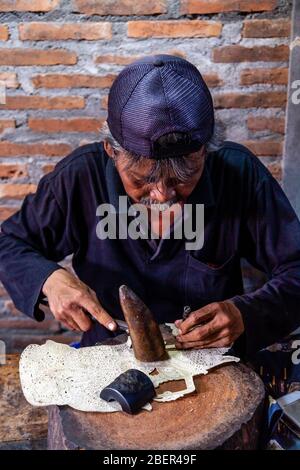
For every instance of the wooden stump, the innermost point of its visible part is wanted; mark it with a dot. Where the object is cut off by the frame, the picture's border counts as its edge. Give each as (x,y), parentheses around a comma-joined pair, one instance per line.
(22,426)
(225,413)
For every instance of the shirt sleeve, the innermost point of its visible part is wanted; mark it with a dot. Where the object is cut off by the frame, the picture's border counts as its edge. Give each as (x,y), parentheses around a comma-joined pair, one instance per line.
(270,241)
(32,241)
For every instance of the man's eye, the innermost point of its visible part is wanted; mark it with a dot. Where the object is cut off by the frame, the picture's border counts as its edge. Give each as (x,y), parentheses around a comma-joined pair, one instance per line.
(137,183)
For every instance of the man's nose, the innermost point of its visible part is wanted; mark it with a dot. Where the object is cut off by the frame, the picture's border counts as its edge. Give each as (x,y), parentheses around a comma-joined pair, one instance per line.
(162,193)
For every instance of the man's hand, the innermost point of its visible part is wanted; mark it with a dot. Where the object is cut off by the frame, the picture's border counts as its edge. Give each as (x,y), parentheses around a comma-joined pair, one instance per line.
(69,299)
(216,325)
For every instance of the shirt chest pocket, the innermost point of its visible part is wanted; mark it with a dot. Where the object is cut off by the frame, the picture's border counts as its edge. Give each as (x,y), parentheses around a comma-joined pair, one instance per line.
(205,284)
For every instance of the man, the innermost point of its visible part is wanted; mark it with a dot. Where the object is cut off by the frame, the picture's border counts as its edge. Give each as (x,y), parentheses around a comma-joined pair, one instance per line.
(157,151)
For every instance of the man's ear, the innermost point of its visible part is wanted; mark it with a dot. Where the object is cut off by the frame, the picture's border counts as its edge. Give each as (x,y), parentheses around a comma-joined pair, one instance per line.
(108,148)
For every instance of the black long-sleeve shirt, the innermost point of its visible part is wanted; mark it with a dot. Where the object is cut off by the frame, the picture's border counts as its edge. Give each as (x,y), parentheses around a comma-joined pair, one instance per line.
(247,215)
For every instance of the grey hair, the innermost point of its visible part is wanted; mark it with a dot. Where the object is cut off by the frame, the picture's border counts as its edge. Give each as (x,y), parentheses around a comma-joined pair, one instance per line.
(217,139)
(179,167)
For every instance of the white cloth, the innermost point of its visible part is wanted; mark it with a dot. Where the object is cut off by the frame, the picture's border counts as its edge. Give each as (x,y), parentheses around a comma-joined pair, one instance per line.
(57,374)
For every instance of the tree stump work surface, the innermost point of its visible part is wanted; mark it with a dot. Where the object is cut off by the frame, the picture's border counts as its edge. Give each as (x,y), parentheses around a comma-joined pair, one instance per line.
(225,413)
(22,426)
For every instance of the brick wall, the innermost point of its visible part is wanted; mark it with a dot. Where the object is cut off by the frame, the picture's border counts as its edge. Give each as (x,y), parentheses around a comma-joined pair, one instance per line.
(58,59)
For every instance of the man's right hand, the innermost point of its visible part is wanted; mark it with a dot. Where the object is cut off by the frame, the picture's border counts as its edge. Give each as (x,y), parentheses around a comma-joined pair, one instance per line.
(69,300)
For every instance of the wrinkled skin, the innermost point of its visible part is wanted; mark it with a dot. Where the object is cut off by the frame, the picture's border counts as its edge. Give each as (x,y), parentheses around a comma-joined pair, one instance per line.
(216,325)
(70,299)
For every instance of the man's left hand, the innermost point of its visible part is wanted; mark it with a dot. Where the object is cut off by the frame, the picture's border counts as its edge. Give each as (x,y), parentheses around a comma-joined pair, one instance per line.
(216,325)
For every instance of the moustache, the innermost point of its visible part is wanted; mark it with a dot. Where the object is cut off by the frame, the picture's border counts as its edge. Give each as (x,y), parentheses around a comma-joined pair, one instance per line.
(158,206)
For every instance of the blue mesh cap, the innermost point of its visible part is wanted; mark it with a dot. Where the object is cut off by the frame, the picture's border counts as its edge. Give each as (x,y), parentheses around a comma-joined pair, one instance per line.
(154,96)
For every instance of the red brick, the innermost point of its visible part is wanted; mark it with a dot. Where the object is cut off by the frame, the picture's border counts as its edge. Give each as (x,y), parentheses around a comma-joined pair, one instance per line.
(73,81)
(125,60)
(121,7)
(19,56)
(227,54)
(16,191)
(9,79)
(84,141)
(276,170)
(176,52)
(11,309)
(266,99)
(220,6)
(48,168)
(12,171)
(212,79)
(28,5)
(174,29)
(261,123)
(43,102)
(13,149)
(275,76)
(266,28)
(265,148)
(5,212)
(104,102)
(7,124)
(80,124)
(4,33)
(63,31)
(19,341)
(24,323)
(116,59)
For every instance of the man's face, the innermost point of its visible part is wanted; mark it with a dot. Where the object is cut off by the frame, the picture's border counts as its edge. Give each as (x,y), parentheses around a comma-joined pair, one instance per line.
(168,189)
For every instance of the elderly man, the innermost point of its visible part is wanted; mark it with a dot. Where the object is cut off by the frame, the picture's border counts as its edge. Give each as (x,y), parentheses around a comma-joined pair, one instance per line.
(159,149)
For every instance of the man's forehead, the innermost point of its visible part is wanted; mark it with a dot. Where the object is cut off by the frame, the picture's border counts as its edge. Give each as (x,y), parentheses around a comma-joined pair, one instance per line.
(144,165)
